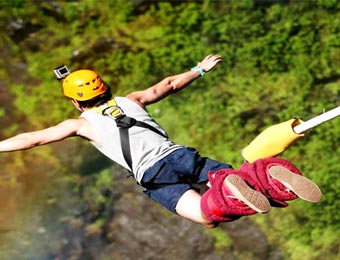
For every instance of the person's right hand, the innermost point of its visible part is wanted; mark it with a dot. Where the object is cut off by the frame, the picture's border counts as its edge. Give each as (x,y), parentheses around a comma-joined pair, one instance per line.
(210,62)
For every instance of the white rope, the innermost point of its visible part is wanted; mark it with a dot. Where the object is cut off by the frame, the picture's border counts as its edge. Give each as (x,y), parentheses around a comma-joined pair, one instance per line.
(318,120)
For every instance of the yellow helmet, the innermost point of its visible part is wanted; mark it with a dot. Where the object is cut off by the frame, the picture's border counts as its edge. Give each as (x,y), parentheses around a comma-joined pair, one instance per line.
(83,85)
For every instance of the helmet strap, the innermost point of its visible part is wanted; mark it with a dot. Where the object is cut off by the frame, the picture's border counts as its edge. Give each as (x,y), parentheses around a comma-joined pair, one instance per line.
(77,105)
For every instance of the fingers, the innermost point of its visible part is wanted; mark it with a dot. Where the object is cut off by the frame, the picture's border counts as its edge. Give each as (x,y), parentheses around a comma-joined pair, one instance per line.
(210,61)
(214,57)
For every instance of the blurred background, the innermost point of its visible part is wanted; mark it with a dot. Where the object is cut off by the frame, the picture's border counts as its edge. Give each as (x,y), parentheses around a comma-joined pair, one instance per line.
(65,201)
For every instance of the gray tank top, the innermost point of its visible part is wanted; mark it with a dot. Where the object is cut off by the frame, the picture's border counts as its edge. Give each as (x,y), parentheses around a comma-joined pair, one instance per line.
(147,147)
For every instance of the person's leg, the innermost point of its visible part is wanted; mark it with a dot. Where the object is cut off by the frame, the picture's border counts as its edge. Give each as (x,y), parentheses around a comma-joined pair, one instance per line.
(170,182)
(189,207)
(228,199)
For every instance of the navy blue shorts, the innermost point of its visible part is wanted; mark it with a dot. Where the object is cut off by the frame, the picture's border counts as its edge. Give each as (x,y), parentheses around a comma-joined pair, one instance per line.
(168,179)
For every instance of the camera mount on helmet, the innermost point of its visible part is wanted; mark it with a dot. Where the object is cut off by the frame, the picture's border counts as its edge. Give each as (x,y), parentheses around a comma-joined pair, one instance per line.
(61,72)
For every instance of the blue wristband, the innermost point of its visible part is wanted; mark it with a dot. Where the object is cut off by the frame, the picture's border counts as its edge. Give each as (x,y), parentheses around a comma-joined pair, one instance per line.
(198,68)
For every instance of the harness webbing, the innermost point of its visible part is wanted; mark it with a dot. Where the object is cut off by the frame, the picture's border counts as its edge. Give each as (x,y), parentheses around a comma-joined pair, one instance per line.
(124,122)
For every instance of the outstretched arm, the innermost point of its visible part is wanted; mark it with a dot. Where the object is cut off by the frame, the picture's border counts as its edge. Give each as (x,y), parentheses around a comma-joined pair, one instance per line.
(29,140)
(174,83)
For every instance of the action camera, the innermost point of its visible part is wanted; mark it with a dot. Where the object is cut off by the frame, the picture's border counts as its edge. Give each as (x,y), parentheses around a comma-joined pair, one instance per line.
(61,72)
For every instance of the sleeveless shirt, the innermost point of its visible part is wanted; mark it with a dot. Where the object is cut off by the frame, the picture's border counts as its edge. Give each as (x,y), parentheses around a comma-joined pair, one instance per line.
(146,146)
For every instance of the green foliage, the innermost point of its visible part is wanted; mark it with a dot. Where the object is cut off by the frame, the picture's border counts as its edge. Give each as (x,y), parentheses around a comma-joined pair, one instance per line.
(94,190)
(223,242)
(280,61)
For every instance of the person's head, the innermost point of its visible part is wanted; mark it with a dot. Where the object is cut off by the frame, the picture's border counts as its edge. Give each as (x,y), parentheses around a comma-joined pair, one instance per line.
(86,89)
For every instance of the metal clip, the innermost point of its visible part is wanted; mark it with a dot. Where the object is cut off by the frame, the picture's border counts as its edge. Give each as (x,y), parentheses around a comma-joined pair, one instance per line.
(114,112)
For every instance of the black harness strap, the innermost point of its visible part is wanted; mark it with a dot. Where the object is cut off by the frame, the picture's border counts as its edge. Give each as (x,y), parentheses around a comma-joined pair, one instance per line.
(150,127)
(125,122)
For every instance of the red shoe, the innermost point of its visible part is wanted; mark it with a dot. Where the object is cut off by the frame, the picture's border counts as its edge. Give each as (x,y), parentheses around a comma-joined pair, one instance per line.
(298,184)
(246,195)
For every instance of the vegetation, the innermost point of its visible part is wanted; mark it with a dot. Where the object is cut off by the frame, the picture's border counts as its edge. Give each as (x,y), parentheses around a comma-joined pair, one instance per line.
(281,60)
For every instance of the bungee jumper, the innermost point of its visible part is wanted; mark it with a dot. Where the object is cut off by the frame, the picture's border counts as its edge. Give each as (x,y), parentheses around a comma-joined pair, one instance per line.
(196,188)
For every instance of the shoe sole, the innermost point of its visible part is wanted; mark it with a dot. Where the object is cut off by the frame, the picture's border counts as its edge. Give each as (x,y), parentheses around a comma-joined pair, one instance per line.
(252,198)
(300,185)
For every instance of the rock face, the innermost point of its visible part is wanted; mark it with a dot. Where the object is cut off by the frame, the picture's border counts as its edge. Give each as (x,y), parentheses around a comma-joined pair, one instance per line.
(151,233)
(138,228)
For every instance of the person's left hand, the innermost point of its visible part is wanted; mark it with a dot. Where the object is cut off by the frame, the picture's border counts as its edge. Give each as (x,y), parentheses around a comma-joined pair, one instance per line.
(209,62)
